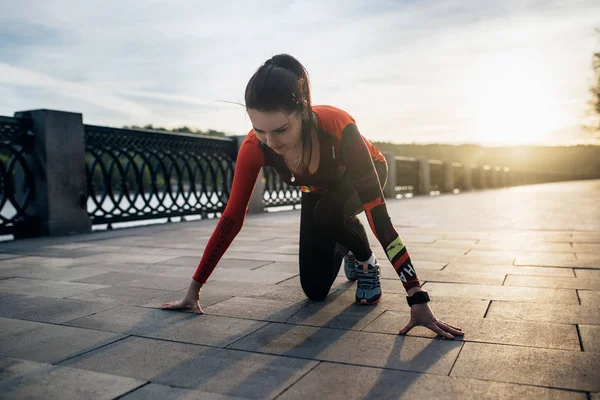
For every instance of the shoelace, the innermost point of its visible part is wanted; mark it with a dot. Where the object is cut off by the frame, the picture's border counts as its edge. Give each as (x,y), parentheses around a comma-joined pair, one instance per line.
(368,280)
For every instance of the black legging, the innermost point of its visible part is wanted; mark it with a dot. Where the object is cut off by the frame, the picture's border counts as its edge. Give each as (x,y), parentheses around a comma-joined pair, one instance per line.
(328,229)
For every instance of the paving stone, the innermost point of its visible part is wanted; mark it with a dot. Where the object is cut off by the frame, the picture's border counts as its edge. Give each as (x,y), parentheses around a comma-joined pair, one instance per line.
(587,273)
(12,367)
(51,382)
(45,288)
(130,320)
(221,371)
(541,367)
(254,276)
(490,256)
(45,261)
(482,278)
(590,336)
(154,391)
(207,298)
(46,309)
(539,295)
(65,274)
(371,349)
(441,306)
(586,247)
(331,381)
(589,297)
(281,266)
(192,262)
(8,256)
(253,308)
(549,261)
(48,343)
(174,325)
(521,333)
(124,257)
(558,313)
(594,257)
(341,313)
(595,396)
(242,289)
(552,282)
(290,294)
(126,295)
(244,255)
(509,269)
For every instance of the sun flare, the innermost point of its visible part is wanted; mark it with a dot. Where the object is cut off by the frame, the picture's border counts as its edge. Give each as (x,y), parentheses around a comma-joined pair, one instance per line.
(516,104)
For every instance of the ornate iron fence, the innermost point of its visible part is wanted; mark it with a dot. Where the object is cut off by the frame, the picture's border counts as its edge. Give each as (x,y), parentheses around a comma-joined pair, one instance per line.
(16,174)
(139,174)
(277,192)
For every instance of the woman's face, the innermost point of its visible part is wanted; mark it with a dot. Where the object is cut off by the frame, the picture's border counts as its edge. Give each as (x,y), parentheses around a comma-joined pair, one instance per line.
(277,129)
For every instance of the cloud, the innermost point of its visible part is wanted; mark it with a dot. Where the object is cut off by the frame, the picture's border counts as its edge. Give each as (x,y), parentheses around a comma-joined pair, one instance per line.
(398,67)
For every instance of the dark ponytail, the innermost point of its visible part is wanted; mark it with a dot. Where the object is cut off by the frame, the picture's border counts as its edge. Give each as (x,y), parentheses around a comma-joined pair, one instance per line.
(282,84)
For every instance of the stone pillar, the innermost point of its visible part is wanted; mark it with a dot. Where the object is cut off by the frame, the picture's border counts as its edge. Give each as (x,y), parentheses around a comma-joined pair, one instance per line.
(389,191)
(448,186)
(424,176)
(468,177)
(58,166)
(256,204)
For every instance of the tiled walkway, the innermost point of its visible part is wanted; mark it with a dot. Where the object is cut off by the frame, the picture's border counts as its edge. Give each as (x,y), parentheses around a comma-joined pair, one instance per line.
(518,269)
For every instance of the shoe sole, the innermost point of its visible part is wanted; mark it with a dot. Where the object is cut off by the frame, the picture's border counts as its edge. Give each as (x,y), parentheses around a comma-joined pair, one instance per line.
(364,302)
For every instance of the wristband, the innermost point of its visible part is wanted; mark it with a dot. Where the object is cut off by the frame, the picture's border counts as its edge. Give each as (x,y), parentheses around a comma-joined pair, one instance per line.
(418,298)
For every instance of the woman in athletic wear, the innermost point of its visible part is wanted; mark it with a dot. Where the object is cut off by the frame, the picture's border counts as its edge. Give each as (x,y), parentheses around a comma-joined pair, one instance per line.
(340,173)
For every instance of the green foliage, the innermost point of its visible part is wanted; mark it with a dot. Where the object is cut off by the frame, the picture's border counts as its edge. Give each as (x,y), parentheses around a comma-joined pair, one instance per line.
(580,161)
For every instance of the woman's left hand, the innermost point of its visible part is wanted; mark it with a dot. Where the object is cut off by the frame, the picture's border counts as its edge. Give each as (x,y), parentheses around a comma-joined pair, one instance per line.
(421,315)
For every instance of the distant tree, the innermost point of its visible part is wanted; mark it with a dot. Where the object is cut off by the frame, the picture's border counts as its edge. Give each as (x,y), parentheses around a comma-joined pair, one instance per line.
(181,129)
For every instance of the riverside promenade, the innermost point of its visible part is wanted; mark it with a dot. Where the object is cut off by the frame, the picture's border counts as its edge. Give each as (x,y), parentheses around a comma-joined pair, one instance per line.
(517,268)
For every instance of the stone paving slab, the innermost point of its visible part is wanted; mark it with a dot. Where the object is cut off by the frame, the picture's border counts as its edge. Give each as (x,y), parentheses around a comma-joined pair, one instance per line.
(180,326)
(330,381)
(510,269)
(552,282)
(46,309)
(45,381)
(351,347)
(541,367)
(469,260)
(549,261)
(48,343)
(518,333)
(589,297)
(154,391)
(45,288)
(587,273)
(537,295)
(221,371)
(590,337)
(116,295)
(252,308)
(543,312)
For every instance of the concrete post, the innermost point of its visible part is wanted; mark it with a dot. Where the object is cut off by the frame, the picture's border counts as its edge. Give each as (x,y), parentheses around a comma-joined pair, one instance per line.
(256,204)
(424,176)
(58,166)
(468,177)
(448,186)
(389,191)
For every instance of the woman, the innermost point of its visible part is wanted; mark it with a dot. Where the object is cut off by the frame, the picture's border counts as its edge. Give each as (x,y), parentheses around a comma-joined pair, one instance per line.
(340,173)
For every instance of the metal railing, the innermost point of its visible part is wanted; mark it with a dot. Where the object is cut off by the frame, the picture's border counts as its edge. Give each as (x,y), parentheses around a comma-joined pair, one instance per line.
(277,192)
(16,174)
(136,174)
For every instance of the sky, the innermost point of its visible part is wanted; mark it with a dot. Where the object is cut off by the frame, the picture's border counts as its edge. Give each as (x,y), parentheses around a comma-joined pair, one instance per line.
(429,71)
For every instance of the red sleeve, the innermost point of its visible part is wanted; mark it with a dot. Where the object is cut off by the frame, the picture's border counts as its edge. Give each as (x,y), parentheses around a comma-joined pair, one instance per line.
(248,165)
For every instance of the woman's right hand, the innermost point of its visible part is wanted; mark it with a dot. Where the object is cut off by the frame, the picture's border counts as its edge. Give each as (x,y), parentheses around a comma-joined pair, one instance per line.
(191,301)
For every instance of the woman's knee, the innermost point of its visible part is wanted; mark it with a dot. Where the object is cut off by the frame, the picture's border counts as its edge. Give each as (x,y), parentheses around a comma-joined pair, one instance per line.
(314,291)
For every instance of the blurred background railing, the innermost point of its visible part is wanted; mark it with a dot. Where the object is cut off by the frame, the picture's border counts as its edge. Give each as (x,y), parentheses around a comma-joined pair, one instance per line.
(59,176)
